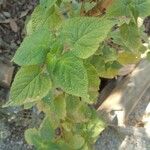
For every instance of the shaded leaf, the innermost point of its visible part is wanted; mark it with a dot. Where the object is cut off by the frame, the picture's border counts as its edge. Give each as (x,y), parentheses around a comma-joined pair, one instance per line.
(77,110)
(94,82)
(71,75)
(60,106)
(128,58)
(76,141)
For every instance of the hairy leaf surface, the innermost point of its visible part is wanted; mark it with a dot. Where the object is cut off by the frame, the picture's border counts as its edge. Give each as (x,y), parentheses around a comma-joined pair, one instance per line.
(30,84)
(83,34)
(34,48)
(71,75)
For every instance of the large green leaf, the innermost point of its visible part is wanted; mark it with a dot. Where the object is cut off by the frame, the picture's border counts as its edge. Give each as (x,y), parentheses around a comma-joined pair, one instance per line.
(30,84)
(83,34)
(34,48)
(71,76)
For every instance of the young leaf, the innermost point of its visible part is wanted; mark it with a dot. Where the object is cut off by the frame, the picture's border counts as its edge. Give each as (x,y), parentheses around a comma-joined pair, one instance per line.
(33,138)
(34,48)
(44,15)
(47,132)
(77,110)
(76,142)
(111,70)
(94,82)
(98,62)
(94,127)
(30,84)
(60,106)
(83,34)
(57,47)
(109,54)
(71,76)
(47,106)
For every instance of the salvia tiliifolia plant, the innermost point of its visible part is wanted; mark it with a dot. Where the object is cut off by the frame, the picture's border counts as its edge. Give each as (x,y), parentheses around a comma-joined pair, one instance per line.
(69,45)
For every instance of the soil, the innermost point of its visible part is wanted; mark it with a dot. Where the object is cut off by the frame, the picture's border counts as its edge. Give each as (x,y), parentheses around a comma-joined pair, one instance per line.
(14,121)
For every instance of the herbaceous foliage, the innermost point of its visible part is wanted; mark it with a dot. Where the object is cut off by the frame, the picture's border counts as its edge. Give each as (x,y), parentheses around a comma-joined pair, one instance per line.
(66,49)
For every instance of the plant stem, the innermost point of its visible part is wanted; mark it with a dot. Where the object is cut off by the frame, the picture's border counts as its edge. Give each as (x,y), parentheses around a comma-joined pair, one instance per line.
(100,8)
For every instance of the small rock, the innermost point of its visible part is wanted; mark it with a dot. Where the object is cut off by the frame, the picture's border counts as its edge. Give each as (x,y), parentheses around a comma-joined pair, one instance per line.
(6,73)
(6,14)
(13,25)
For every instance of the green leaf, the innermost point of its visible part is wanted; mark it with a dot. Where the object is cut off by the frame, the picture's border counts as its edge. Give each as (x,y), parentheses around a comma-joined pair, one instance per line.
(119,8)
(91,129)
(30,84)
(109,54)
(44,15)
(111,70)
(83,34)
(98,62)
(126,57)
(47,3)
(51,61)
(142,7)
(77,110)
(57,47)
(34,48)
(95,126)
(60,106)
(131,36)
(46,130)
(76,142)
(71,76)
(48,107)
(33,138)
(94,82)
